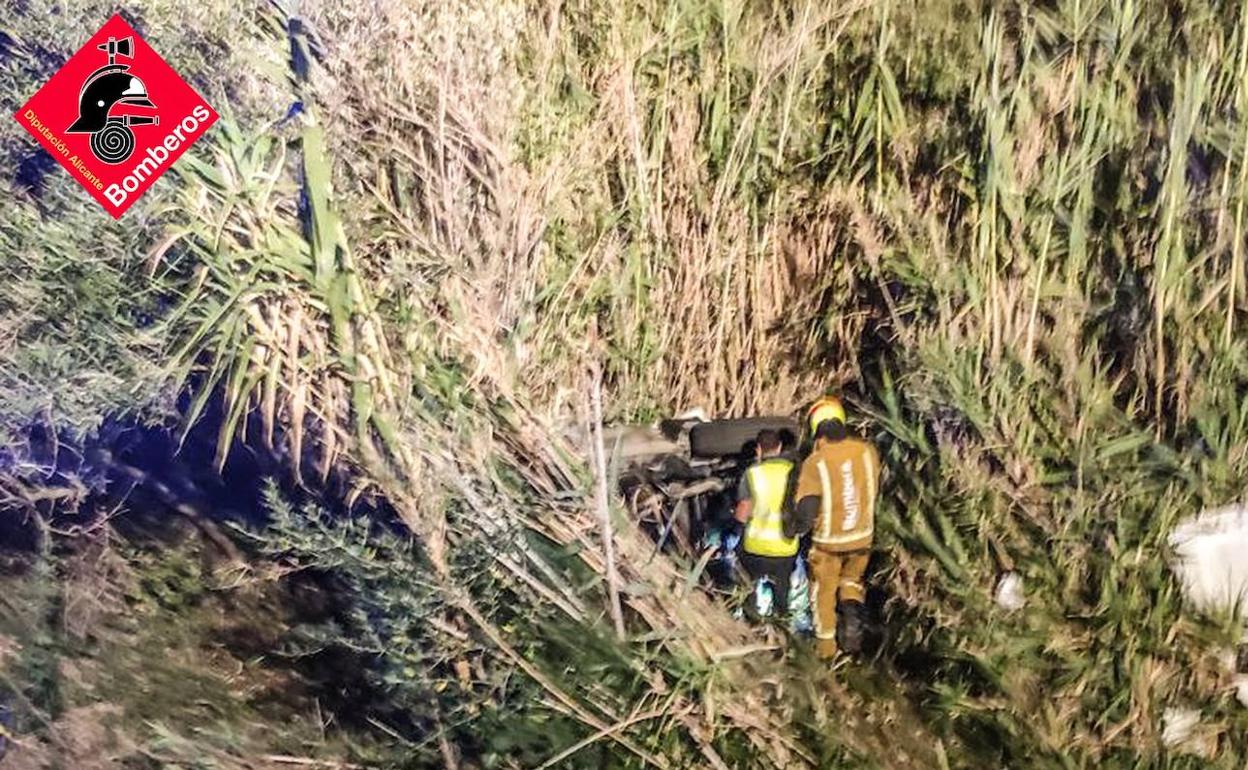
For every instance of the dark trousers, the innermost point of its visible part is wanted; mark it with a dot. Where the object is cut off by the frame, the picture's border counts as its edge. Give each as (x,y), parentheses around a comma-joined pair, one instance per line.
(778,568)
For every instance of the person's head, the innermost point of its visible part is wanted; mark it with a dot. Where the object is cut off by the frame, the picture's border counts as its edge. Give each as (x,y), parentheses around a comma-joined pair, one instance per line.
(768,444)
(831,430)
(827,419)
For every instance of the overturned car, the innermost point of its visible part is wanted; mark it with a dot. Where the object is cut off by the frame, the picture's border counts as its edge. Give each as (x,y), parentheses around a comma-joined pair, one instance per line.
(679,479)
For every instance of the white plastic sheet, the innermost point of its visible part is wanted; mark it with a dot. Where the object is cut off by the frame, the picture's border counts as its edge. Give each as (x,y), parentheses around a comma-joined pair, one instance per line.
(1010,594)
(1211,558)
(1178,726)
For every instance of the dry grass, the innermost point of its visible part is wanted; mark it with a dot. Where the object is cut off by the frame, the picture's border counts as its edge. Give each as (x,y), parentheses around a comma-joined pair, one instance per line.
(1012,234)
(737,207)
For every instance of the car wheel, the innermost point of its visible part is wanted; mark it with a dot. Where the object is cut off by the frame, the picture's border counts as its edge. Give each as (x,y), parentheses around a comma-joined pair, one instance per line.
(721,438)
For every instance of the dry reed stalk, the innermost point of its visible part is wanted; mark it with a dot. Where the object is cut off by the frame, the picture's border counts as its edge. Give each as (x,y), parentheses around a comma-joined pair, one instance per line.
(603,503)
(495,636)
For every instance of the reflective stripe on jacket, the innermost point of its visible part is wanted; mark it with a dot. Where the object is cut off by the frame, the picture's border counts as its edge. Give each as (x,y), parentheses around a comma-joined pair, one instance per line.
(764,532)
(844,476)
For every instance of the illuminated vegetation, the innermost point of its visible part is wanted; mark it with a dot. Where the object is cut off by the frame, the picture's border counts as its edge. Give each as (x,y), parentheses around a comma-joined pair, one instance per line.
(1011,233)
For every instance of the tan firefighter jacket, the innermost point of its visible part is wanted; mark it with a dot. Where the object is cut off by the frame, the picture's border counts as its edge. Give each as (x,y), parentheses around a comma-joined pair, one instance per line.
(843,476)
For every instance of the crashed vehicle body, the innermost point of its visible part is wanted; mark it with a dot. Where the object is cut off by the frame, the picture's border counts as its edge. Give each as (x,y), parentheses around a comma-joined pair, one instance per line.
(680,479)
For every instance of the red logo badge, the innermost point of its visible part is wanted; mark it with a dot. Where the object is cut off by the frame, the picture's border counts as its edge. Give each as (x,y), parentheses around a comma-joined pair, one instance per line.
(116,116)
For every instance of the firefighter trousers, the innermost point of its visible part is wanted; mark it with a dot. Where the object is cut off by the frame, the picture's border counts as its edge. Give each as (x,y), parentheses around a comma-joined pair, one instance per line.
(834,575)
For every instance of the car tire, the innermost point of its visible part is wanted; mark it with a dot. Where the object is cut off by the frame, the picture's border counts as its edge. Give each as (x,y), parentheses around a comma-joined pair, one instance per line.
(724,438)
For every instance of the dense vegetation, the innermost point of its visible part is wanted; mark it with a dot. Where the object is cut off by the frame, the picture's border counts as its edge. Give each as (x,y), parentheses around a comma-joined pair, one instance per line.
(426,234)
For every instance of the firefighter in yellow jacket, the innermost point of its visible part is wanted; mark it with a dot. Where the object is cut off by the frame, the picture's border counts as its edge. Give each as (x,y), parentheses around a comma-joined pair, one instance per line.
(835,503)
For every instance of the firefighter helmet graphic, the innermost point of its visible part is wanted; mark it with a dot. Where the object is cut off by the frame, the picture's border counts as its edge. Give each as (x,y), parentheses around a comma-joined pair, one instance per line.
(112,141)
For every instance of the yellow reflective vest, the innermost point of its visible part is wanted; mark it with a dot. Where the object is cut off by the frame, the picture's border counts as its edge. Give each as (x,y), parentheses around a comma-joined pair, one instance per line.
(764,533)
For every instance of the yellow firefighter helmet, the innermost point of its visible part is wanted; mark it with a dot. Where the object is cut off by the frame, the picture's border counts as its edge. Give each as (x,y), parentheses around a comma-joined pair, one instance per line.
(826,408)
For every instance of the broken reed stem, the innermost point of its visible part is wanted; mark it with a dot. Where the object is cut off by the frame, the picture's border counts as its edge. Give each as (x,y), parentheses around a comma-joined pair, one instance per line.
(466,605)
(600,734)
(282,759)
(602,501)
(1237,244)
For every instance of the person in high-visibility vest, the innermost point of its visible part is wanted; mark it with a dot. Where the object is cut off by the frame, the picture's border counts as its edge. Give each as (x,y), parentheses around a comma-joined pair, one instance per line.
(835,503)
(765,550)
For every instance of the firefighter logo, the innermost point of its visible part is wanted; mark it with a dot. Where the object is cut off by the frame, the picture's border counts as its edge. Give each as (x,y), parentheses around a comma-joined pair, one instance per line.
(116,116)
(106,89)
